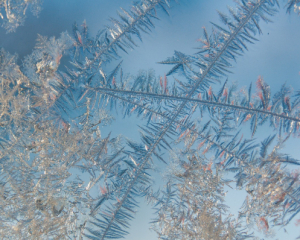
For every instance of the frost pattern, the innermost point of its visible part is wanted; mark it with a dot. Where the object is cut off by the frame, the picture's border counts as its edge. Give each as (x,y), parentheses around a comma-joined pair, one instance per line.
(15,11)
(50,126)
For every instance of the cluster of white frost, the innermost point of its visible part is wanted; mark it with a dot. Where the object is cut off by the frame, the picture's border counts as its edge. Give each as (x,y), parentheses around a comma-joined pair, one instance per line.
(15,11)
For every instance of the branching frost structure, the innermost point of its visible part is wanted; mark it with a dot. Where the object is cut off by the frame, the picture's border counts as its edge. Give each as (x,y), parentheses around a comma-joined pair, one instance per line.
(43,139)
(15,11)
(226,46)
(192,206)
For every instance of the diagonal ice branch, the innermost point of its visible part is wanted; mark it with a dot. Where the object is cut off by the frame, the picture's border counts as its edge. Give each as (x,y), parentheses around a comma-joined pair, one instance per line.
(176,113)
(141,17)
(199,101)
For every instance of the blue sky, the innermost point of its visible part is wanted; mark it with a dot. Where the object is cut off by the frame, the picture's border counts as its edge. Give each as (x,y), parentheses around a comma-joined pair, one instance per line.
(276,57)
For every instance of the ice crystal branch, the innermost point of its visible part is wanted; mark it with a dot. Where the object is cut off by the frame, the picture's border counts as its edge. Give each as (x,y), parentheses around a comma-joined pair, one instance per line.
(282,110)
(273,191)
(293,4)
(114,38)
(248,21)
(15,11)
